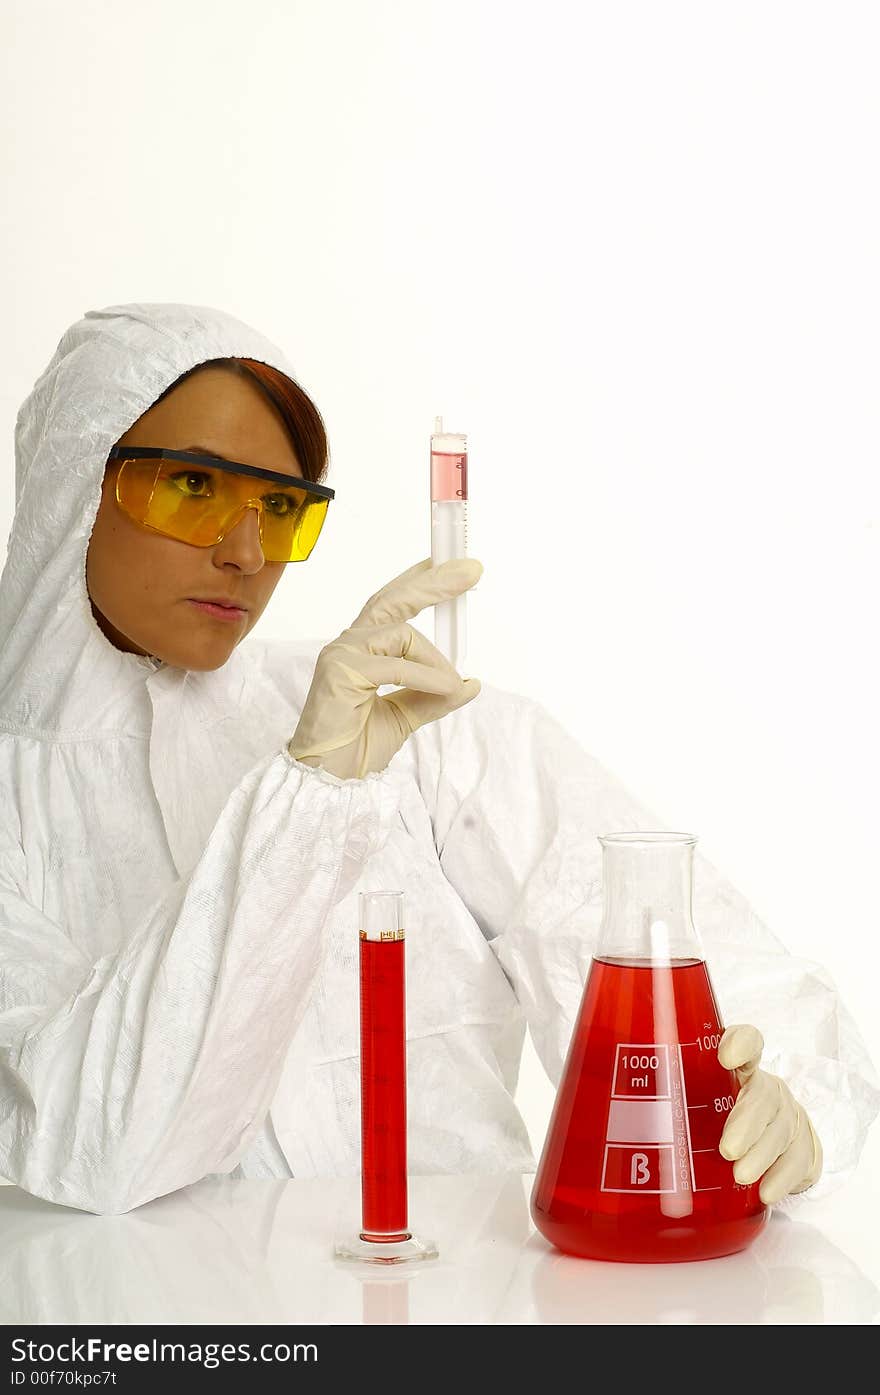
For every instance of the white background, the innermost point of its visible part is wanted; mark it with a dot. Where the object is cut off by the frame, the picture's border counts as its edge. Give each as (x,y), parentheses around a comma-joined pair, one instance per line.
(632,250)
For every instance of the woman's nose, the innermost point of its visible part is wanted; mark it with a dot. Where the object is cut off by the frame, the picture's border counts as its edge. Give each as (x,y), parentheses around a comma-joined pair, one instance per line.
(241,542)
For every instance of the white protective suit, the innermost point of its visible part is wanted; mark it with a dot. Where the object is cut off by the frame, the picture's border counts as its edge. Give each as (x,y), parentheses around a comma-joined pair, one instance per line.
(178,895)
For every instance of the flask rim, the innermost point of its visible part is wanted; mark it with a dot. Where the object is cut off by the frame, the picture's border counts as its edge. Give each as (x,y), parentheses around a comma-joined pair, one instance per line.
(647,839)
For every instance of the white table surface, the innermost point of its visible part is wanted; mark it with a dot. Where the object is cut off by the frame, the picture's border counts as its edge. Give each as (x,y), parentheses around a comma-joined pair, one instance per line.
(261,1252)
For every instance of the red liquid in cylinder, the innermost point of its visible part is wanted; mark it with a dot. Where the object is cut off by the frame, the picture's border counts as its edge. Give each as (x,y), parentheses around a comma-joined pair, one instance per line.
(383,1091)
(631,1168)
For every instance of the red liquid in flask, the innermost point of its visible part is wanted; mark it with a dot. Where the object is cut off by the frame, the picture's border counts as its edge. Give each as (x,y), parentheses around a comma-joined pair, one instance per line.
(383,1090)
(631,1169)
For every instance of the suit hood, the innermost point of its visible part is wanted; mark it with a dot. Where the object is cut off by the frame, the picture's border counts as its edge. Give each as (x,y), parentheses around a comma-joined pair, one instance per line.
(59,674)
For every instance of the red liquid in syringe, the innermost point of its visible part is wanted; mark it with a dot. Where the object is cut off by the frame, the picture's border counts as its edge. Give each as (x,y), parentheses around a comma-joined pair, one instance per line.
(383,1090)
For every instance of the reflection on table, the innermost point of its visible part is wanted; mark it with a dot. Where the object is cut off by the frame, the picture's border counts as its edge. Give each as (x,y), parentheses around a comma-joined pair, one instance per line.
(262,1252)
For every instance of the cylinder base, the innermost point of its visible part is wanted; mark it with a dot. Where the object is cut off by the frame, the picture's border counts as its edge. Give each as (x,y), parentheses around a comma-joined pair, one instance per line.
(385,1252)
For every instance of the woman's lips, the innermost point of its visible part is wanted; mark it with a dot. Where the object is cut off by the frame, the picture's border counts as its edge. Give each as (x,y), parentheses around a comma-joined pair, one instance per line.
(221,612)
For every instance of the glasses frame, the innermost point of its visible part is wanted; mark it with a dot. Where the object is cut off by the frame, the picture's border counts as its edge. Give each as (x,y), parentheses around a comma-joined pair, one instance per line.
(322,491)
(319,491)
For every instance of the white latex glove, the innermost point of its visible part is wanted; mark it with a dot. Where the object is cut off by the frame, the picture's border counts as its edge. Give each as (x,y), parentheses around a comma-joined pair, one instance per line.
(345,727)
(768,1134)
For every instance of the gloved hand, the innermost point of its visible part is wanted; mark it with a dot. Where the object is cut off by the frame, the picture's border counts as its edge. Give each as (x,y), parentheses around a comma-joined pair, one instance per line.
(345,727)
(768,1134)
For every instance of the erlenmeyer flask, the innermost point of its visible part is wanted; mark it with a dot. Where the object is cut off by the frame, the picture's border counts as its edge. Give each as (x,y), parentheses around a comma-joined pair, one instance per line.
(630,1168)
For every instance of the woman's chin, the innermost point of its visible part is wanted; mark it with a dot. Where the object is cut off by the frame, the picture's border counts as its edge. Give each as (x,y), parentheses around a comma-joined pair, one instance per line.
(202,653)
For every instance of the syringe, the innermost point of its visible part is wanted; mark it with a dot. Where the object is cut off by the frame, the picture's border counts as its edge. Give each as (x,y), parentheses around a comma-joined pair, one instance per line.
(449,492)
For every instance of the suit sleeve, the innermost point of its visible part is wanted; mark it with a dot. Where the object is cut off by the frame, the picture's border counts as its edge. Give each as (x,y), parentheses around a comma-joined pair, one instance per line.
(127,1078)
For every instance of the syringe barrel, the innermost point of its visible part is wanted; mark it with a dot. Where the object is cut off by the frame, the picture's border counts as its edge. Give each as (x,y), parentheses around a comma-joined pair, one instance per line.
(449,492)
(448,466)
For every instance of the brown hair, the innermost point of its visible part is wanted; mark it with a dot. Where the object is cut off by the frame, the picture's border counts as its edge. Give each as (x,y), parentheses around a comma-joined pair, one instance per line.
(303,421)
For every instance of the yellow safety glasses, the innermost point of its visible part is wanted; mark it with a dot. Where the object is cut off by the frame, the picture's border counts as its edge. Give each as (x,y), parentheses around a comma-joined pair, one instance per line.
(198,499)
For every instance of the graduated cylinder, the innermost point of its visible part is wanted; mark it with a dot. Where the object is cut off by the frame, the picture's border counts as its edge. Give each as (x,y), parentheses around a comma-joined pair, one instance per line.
(383,1067)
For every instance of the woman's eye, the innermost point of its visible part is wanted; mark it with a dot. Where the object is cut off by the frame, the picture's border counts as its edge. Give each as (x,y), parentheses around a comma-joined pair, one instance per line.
(190,481)
(281,504)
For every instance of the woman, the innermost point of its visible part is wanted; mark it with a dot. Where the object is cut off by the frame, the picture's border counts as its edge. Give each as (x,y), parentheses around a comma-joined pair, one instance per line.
(187,820)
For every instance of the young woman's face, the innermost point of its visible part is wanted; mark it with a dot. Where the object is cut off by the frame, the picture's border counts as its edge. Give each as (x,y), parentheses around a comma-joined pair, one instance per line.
(140,583)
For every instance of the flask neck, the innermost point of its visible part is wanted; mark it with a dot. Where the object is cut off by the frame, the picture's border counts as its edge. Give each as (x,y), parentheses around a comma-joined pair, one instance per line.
(648,898)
